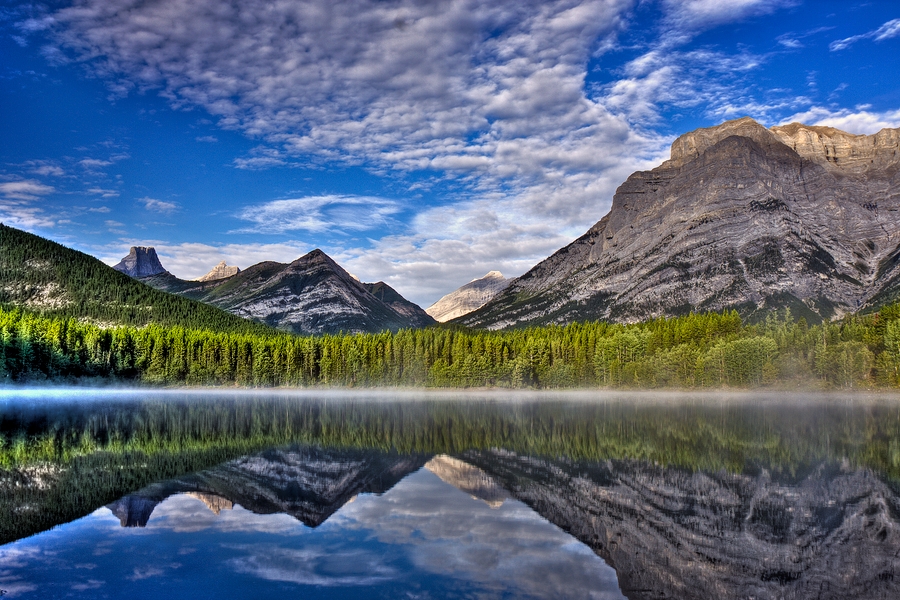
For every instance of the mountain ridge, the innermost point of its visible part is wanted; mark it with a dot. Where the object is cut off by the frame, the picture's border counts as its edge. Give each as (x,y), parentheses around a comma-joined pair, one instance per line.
(311,295)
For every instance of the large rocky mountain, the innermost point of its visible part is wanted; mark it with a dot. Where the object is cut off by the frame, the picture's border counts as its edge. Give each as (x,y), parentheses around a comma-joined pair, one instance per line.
(740,217)
(469,297)
(311,295)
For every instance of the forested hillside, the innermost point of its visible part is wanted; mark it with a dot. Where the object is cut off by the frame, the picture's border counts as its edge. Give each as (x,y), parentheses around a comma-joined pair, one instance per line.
(53,280)
(701,350)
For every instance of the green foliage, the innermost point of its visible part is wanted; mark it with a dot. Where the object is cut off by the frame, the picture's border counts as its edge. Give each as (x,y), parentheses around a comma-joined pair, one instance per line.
(698,350)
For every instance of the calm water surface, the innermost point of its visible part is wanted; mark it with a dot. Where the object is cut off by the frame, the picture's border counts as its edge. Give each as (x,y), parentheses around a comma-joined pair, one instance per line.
(213,495)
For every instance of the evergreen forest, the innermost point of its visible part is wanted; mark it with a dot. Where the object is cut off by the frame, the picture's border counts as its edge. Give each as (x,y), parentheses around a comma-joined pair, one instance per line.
(694,351)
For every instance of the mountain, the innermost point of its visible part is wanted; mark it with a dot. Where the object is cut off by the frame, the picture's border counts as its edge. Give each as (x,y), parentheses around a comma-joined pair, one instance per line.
(220,271)
(740,217)
(311,295)
(469,297)
(46,277)
(140,262)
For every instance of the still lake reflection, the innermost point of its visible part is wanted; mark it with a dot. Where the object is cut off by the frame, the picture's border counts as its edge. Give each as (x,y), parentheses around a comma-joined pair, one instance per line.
(436,496)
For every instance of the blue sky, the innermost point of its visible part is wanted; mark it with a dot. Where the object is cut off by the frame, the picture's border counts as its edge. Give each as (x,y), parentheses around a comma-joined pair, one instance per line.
(419,143)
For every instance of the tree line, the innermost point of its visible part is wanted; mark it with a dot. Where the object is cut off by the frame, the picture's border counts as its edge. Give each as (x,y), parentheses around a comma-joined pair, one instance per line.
(692,351)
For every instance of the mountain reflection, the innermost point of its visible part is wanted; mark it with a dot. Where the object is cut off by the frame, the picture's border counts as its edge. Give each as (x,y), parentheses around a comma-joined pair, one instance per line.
(308,483)
(668,532)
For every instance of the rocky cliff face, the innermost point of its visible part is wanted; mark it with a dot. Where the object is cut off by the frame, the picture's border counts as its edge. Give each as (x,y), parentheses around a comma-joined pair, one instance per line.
(311,295)
(670,533)
(740,217)
(220,271)
(140,262)
(469,297)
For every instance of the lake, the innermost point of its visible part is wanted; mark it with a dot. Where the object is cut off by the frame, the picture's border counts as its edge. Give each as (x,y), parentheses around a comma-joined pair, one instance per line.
(214,494)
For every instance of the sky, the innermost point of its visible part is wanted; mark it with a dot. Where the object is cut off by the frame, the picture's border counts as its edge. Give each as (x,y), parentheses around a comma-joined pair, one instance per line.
(416,142)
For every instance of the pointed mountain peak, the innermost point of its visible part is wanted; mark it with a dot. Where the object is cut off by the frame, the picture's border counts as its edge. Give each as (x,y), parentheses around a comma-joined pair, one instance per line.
(491,275)
(141,261)
(220,271)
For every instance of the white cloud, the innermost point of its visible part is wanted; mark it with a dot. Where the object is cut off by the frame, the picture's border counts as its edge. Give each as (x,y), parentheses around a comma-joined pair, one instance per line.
(688,15)
(103,193)
(94,163)
(320,214)
(100,209)
(207,138)
(859,120)
(889,30)
(160,206)
(46,169)
(25,189)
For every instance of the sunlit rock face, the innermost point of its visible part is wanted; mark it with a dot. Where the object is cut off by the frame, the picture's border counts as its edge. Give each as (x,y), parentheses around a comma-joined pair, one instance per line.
(672,533)
(311,295)
(469,297)
(220,271)
(308,483)
(141,262)
(740,217)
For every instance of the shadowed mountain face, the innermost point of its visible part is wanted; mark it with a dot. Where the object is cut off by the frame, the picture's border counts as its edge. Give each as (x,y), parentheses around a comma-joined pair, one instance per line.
(311,295)
(741,217)
(306,482)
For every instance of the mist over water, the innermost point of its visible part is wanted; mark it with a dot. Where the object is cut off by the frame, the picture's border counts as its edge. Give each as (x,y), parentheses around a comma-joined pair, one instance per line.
(447,494)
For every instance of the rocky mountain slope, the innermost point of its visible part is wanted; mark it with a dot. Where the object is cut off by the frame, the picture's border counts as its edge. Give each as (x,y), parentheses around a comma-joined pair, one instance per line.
(46,277)
(311,295)
(220,271)
(672,533)
(740,217)
(469,297)
(140,262)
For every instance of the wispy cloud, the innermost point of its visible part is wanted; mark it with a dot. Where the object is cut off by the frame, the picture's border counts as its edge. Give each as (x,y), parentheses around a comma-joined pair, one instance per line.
(211,139)
(320,213)
(159,206)
(891,29)
(686,15)
(103,193)
(25,189)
